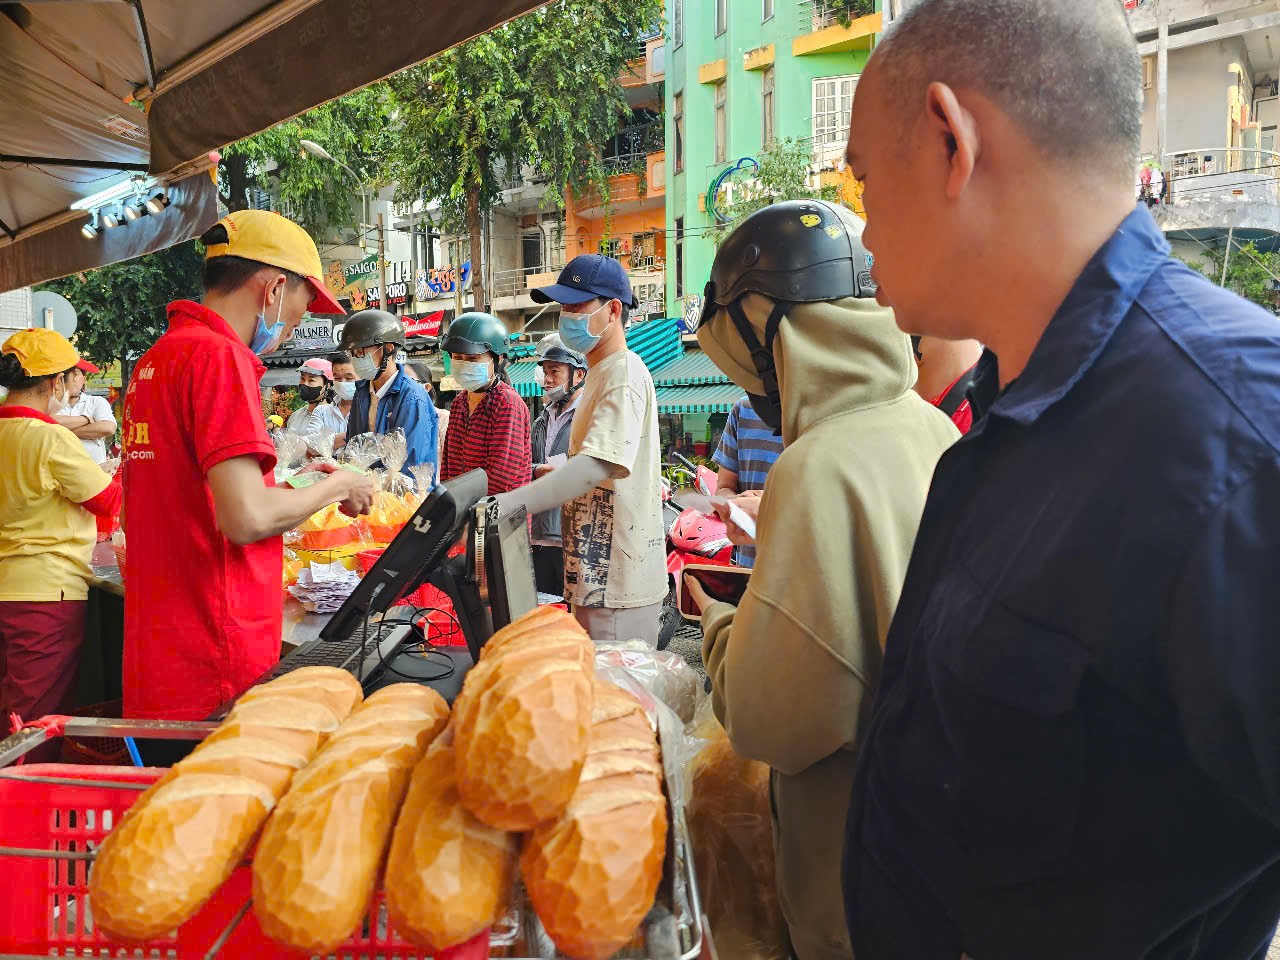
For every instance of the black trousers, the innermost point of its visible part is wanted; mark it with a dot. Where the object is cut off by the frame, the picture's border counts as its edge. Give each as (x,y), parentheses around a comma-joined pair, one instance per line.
(548,570)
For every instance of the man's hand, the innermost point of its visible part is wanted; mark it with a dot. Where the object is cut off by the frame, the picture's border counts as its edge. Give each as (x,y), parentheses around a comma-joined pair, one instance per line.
(701,599)
(356,491)
(748,503)
(541,470)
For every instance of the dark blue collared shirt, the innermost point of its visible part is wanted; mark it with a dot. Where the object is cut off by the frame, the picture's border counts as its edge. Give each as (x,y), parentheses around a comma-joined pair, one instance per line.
(1075,749)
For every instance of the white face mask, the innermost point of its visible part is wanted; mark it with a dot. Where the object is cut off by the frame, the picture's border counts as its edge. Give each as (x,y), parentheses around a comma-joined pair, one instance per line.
(472,375)
(344,390)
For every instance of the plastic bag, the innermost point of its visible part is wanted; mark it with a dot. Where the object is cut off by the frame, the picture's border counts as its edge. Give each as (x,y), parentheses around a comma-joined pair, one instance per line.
(110,466)
(322,443)
(362,451)
(325,529)
(291,450)
(663,673)
(394,451)
(732,834)
(424,481)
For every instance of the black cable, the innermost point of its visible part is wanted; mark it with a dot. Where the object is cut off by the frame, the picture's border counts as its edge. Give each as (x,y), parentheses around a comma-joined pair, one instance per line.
(430,649)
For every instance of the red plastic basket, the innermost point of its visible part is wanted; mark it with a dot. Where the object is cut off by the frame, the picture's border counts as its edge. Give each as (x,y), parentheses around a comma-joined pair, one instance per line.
(441,627)
(45,911)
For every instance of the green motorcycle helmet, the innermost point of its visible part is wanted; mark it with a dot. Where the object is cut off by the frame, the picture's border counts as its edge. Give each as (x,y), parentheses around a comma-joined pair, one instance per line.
(475,333)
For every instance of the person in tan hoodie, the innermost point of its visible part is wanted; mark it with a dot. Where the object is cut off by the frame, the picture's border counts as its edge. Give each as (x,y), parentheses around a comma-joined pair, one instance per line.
(790,317)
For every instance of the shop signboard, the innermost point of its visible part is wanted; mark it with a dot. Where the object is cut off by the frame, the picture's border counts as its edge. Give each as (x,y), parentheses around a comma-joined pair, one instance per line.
(649,289)
(440,282)
(397,292)
(314,333)
(692,313)
(427,325)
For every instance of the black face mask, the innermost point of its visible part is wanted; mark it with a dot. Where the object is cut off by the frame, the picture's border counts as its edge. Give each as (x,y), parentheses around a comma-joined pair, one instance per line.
(310,394)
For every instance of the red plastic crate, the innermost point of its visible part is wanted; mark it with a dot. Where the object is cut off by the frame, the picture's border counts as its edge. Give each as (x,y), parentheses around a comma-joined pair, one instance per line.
(41,911)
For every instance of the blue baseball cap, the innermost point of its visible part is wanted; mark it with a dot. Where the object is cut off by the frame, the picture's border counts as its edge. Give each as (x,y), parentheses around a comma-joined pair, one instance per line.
(586,277)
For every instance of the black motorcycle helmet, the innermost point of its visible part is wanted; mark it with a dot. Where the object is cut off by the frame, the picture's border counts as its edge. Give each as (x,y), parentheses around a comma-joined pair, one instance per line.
(796,251)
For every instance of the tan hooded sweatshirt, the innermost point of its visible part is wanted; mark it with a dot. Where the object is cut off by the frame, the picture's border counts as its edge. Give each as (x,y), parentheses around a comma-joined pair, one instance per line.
(794,666)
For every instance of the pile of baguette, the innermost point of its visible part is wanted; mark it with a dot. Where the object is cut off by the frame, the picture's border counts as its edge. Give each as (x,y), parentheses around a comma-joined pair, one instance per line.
(541,769)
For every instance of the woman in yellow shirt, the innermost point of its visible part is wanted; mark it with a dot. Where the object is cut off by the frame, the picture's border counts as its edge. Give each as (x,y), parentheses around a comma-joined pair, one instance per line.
(50,490)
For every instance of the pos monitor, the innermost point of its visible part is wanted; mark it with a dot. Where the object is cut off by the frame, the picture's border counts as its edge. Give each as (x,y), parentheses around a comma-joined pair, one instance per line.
(410,559)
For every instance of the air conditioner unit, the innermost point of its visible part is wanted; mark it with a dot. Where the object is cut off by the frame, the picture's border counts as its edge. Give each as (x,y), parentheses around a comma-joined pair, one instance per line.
(1148,72)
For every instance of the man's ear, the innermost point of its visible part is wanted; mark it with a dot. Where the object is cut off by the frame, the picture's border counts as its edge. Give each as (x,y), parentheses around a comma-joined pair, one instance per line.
(954,128)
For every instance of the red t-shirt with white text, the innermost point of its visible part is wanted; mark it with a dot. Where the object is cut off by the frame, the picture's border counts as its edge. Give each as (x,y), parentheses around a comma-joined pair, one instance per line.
(202,615)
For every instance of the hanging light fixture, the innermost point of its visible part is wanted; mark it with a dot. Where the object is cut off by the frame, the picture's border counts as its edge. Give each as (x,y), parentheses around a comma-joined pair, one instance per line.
(108,220)
(89,230)
(157,203)
(132,211)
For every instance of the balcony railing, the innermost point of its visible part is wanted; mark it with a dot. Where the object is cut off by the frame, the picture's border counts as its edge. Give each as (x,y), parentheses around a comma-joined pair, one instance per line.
(515,283)
(819,14)
(628,148)
(1218,173)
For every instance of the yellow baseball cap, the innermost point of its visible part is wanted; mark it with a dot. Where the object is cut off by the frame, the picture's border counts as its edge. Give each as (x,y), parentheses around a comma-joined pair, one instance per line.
(278,242)
(41,352)
(276,419)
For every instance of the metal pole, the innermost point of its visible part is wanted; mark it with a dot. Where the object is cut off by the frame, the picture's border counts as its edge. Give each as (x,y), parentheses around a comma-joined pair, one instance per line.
(1227,258)
(382,265)
(1162,85)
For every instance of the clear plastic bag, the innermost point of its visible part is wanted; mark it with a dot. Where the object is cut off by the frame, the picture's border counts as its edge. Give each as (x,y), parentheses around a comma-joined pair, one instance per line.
(291,451)
(732,834)
(394,451)
(424,481)
(110,466)
(362,450)
(664,674)
(322,443)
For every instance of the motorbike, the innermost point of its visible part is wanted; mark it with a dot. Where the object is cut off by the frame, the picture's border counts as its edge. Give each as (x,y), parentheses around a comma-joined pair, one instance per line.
(692,537)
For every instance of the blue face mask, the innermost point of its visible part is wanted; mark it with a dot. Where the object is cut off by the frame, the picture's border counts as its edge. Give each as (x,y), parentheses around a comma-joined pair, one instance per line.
(472,376)
(266,339)
(575,330)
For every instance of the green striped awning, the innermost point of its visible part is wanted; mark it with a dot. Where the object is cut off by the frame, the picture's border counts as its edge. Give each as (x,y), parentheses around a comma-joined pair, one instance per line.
(692,369)
(521,374)
(710,398)
(656,341)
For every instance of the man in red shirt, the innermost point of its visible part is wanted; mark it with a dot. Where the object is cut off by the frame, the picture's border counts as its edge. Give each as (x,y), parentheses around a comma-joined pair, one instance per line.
(203,517)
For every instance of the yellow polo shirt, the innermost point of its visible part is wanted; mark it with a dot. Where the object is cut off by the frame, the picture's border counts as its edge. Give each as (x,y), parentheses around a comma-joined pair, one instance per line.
(46,537)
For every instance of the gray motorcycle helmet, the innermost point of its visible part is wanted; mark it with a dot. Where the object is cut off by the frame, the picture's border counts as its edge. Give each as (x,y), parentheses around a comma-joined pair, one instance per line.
(551,348)
(370,328)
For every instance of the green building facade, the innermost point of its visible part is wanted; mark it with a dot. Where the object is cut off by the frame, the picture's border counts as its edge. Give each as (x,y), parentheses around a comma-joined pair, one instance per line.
(738,73)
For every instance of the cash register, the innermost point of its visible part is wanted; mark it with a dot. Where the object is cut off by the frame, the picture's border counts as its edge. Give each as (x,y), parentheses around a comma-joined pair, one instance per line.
(489,584)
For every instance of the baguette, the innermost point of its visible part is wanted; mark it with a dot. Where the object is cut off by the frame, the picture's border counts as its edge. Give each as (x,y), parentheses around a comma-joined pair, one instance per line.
(185,835)
(448,875)
(522,721)
(317,863)
(593,873)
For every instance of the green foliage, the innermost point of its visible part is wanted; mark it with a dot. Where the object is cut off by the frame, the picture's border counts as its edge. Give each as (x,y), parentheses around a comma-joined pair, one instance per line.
(542,91)
(1250,273)
(785,174)
(847,10)
(355,129)
(121,307)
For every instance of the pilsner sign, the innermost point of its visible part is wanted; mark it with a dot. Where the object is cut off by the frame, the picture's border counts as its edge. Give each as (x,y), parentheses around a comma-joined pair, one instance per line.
(314,333)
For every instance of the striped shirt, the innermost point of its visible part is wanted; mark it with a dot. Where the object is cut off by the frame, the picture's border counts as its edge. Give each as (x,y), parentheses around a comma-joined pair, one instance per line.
(749,447)
(493,437)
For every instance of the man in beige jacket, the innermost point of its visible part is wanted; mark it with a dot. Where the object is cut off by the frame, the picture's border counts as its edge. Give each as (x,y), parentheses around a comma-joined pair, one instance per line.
(791,318)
